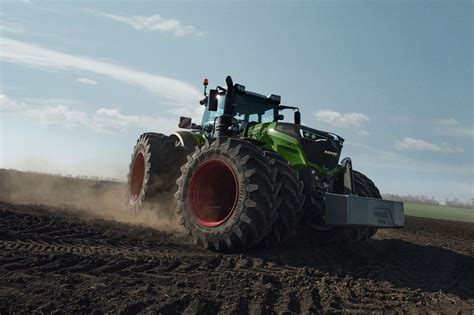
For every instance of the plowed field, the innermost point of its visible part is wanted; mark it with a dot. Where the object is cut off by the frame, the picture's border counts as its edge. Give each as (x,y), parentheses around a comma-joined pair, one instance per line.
(61,258)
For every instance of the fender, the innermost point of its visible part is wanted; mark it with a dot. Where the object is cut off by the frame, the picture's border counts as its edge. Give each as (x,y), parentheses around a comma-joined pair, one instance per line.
(187,139)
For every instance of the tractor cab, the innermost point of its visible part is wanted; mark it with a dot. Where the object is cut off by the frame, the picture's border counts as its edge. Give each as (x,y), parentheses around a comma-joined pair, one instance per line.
(245,110)
(248,108)
(233,110)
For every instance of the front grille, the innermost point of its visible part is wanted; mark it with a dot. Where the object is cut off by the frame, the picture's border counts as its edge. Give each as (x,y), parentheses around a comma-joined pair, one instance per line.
(322,152)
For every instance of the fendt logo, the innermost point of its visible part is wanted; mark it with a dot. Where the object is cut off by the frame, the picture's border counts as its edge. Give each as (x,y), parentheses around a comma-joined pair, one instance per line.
(330,153)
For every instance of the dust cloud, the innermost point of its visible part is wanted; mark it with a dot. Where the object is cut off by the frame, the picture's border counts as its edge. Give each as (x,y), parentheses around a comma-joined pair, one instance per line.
(90,199)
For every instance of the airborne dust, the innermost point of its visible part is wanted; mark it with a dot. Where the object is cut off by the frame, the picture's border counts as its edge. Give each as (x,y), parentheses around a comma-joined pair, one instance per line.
(85,198)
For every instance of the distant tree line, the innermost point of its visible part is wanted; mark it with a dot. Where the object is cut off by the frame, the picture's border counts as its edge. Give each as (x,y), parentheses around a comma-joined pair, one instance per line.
(426,200)
(460,204)
(96,178)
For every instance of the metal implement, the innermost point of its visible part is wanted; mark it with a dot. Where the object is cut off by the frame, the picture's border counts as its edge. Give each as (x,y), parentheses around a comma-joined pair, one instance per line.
(355,210)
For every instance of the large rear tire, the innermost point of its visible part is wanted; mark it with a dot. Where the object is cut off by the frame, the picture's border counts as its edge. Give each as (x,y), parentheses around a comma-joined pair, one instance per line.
(154,168)
(314,233)
(292,199)
(227,195)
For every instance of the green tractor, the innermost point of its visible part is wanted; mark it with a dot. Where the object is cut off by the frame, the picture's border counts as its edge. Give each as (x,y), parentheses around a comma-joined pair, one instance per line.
(243,177)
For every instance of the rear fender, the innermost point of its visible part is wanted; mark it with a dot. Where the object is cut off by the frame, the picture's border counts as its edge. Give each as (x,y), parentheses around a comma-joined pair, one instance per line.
(188,139)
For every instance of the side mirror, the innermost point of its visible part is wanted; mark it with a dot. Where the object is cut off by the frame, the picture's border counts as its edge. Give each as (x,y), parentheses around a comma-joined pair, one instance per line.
(297,118)
(213,101)
(184,122)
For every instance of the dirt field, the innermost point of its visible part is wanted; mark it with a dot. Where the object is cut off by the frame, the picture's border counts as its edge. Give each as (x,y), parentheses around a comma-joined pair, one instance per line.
(71,259)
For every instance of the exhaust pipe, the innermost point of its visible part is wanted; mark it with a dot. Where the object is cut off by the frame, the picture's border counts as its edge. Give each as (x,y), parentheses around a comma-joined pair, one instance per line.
(224,122)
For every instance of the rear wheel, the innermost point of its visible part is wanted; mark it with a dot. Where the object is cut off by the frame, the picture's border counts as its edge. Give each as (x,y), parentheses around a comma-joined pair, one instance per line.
(153,170)
(313,232)
(227,195)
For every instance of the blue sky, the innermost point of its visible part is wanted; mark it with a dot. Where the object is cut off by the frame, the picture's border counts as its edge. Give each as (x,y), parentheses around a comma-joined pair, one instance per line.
(80,81)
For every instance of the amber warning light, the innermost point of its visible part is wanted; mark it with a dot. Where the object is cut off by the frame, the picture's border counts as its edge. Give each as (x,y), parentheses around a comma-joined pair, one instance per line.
(205,82)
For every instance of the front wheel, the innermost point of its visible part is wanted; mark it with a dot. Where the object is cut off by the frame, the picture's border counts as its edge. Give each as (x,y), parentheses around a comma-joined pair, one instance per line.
(227,195)
(292,200)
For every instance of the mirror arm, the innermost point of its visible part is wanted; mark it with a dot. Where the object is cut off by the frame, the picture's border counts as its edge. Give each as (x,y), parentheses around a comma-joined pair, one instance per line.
(282,107)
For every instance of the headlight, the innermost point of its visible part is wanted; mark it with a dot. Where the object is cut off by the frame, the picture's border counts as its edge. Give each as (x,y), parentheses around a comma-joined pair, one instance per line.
(298,131)
(289,129)
(310,135)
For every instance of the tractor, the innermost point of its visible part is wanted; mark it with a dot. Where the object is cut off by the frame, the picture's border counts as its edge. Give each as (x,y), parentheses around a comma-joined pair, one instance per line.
(244,177)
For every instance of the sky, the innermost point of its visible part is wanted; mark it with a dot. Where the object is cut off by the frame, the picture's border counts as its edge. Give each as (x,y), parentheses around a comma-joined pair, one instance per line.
(80,81)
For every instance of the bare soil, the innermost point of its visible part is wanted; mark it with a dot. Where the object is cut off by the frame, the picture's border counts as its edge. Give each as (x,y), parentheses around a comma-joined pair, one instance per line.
(61,259)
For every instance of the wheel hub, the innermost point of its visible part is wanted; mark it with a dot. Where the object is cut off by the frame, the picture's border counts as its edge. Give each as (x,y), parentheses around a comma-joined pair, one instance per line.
(213,193)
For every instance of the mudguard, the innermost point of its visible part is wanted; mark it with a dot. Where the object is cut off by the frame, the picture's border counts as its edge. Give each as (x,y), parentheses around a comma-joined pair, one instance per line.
(189,140)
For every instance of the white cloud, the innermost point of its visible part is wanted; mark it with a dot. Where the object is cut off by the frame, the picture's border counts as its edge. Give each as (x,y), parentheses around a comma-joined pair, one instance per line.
(357,121)
(411,144)
(454,128)
(155,23)
(54,101)
(87,81)
(103,120)
(343,120)
(183,96)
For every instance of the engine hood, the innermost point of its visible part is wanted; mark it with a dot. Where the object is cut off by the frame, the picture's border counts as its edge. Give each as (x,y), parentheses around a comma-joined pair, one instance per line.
(301,131)
(320,147)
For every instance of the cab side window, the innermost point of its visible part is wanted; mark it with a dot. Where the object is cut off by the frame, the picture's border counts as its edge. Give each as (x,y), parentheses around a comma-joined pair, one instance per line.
(254,117)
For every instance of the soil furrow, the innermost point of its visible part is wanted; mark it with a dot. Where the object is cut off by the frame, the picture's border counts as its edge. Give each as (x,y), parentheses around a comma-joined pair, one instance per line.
(51,260)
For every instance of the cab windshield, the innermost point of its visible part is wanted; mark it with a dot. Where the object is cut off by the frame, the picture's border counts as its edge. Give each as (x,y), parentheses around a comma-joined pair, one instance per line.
(245,111)
(266,116)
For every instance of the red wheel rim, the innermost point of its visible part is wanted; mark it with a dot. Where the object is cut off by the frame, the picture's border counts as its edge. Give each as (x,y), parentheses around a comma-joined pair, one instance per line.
(213,193)
(138,176)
